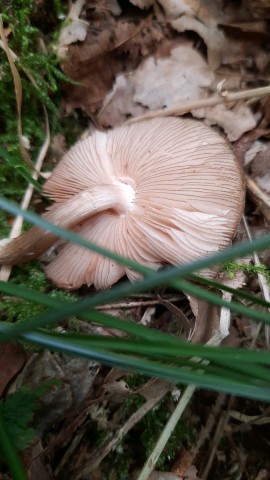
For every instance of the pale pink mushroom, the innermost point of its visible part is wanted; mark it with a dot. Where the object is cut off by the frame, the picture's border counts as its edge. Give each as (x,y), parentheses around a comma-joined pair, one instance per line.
(161,191)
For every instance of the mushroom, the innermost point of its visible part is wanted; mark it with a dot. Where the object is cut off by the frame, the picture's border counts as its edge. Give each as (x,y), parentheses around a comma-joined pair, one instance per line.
(160,191)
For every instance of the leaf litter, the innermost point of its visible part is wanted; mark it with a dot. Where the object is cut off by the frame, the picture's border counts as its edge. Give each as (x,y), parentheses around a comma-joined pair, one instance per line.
(127,59)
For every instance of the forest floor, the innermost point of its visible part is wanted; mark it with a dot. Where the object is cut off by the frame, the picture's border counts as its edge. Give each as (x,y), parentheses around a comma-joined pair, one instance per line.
(97,64)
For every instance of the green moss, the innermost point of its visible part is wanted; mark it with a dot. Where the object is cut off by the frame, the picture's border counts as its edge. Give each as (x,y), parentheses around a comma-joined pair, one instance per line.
(150,428)
(250,269)
(28,38)
(135,448)
(16,310)
(27,42)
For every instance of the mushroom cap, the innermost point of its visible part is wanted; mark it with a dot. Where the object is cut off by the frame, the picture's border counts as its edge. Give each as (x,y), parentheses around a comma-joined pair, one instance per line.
(185,197)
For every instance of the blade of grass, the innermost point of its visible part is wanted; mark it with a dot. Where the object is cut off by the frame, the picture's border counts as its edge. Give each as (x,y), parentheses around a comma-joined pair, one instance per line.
(153,278)
(211,297)
(158,351)
(173,344)
(173,354)
(161,276)
(233,291)
(10,455)
(79,308)
(172,350)
(151,368)
(93,315)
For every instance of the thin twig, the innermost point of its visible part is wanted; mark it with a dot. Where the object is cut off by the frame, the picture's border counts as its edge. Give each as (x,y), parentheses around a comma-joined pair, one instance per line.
(246,420)
(173,420)
(214,444)
(260,198)
(224,97)
(128,305)
(164,437)
(95,459)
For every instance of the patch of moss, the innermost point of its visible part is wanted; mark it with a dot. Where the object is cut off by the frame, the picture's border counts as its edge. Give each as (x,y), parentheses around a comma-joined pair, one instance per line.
(135,448)
(25,40)
(27,36)
(250,269)
(150,428)
(16,309)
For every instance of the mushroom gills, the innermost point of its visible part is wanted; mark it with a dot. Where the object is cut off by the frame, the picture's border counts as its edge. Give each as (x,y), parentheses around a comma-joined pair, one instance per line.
(67,214)
(161,191)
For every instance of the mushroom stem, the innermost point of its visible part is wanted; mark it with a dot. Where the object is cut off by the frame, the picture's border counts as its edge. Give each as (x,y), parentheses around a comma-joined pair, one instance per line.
(67,214)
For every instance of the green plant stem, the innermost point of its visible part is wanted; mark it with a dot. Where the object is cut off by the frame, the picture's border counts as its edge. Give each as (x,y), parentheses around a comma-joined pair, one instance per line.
(259,389)
(233,291)
(10,455)
(79,308)
(160,276)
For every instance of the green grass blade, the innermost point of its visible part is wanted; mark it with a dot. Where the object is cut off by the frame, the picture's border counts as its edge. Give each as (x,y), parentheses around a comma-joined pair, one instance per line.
(151,368)
(233,291)
(83,347)
(215,299)
(79,308)
(10,455)
(161,276)
(173,344)
(173,354)
(96,316)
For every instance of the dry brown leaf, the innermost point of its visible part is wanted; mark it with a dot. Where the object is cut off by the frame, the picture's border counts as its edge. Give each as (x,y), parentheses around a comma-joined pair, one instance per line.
(203,17)
(114,375)
(118,104)
(75,31)
(177,314)
(164,476)
(113,44)
(207,320)
(116,392)
(245,143)
(259,197)
(76,28)
(263,474)
(37,465)
(153,388)
(260,168)
(259,8)
(183,462)
(12,359)
(184,70)
(207,18)
(235,122)
(75,376)
(213,37)
(256,147)
(189,78)
(142,3)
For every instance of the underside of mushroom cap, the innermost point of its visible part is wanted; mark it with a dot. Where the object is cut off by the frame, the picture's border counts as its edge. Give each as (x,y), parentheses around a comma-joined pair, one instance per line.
(188,198)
